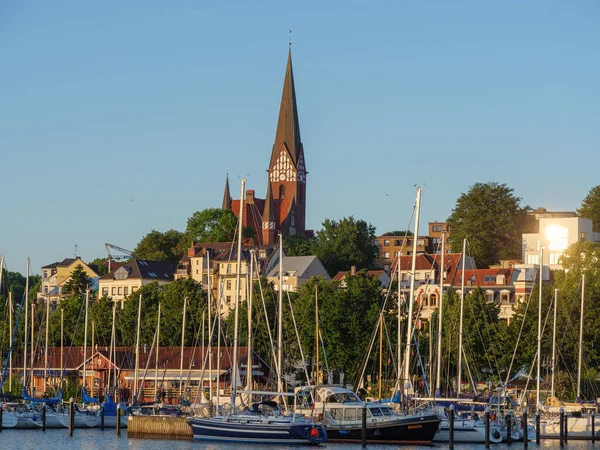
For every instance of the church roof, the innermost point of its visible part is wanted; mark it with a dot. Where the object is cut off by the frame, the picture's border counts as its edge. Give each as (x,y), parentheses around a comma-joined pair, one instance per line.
(288,127)
(226,195)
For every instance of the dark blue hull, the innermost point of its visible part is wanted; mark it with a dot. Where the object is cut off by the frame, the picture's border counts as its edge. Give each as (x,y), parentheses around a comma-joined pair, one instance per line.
(259,430)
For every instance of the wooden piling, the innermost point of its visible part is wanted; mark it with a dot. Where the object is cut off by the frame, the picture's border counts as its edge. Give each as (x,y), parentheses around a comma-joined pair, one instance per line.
(593,428)
(451,428)
(71,416)
(562,426)
(1,412)
(159,427)
(102,418)
(487,427)
(537,427)
(566,428)
(44,418)
(118,424)
(364,426)
(525,434)
(509,431)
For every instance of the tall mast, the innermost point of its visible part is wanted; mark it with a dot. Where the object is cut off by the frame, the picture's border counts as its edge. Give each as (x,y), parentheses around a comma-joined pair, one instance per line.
(399,327)
(46,351)
(26,312)
(32,340)
(137,350)
(280,321)
(460,326)
(316,333)
(539,332)
(182,343)
(380,380)
(62,348)
(234,362)
(411,297)
(438,376)
(85,334)
(554,342)
(249,362)
(110,351)
(580,337)
(10,324)
(157,353)
(210,327)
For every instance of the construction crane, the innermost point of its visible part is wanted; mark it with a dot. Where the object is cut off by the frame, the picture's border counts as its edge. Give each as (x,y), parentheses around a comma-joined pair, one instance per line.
(109,256)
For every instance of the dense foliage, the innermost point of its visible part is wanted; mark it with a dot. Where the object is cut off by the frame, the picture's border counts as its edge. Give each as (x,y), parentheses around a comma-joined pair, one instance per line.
(490,217)
(590,207)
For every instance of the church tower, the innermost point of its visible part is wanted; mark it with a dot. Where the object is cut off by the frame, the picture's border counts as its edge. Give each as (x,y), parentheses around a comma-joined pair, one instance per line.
(287,169)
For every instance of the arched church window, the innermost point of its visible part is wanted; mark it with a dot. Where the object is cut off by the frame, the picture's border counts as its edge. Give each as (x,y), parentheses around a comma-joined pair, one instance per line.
(282,191)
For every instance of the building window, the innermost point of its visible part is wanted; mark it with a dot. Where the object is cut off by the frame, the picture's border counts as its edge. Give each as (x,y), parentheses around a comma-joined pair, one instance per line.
(376,243)
(282,191)
(433,300)
(228,268)
(437,228)
(427,275)
(104,291)
(228,285)
(114,291)
(533,259)
(196,271)
(397,242)
(386,242)
(554,257)
(119,291)
(558,237)
(582,236)
(386,254)
(228,298)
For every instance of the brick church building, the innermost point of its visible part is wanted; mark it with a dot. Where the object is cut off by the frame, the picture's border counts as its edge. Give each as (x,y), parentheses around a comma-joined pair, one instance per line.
(283,210)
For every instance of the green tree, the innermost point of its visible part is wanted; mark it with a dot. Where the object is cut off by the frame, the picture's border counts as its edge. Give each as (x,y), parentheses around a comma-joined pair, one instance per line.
(490,217)
(212,225)
(158,246)
(296,245)
(78,282)
(590,207)
(99,265)
(349,242)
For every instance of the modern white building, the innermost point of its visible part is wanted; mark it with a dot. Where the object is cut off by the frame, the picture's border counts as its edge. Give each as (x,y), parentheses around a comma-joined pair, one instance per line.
(555,235)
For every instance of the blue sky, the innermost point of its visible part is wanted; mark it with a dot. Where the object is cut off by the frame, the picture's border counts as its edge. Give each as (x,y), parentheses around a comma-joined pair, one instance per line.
(122,117)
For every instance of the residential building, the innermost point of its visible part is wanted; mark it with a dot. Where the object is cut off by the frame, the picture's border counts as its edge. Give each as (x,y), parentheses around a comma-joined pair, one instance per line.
(283,211)
(134,274)
(555,234)
(297,270)
(56,275)
(389,247)
(380,275)
(437,231)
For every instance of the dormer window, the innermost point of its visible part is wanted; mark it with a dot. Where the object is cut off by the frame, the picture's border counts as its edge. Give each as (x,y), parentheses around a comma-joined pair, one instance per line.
(282,191)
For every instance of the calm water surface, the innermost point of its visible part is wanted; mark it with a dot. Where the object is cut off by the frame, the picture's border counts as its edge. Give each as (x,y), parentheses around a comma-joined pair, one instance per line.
(93,439)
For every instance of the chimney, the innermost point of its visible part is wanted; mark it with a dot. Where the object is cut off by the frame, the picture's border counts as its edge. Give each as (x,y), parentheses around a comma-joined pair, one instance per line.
(250,197)
(353,270)
(191,250)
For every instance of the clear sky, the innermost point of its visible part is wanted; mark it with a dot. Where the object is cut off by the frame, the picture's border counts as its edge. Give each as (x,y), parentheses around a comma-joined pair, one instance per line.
(117,117)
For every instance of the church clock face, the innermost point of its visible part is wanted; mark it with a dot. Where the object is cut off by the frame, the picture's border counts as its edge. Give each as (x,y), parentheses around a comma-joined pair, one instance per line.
(284,169)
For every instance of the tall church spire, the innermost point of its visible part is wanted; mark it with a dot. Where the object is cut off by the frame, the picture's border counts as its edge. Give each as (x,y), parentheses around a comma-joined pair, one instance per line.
(288,127)
(226,195)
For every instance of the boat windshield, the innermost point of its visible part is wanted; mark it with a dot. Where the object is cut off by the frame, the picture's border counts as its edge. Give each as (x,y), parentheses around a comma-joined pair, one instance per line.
(342,397)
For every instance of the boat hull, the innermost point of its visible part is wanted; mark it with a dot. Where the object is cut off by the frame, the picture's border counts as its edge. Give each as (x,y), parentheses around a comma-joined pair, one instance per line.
(9,420)
(410,430)
(81,420)
(261,431)
(468,433)
(52,420)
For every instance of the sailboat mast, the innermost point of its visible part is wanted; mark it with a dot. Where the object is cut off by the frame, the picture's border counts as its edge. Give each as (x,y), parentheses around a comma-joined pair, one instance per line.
(85,334)
(137,350)
(157,353)
(46,351)
(460,326)
(110,351)
(539,332)
(10,324)
(182,343)
(554,342)
(399,331)
(380,380)
(411,297)
(249,362)
(210,327)
(438,375)
(280,321)
(316,334)
(32,340)
(580,337)
(26,312)
(62,349)
(234,362)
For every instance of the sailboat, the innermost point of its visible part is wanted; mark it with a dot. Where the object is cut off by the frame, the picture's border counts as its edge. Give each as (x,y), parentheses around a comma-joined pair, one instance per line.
(263,423)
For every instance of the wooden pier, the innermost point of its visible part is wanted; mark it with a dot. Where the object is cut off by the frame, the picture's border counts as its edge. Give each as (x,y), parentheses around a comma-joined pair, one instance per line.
(159,427)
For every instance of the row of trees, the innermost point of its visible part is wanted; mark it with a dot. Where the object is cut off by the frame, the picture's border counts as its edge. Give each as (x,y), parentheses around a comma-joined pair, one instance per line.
(349,312)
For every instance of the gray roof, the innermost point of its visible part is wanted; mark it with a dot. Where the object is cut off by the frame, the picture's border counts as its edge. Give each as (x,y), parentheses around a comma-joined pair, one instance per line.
(299,266)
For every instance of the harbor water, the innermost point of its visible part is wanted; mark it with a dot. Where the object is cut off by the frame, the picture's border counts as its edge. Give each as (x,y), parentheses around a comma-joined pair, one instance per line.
(92,439)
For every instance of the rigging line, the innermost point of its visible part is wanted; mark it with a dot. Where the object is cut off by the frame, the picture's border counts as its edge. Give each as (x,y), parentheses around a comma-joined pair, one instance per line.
(262,297)
(304,365)
(520,332)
